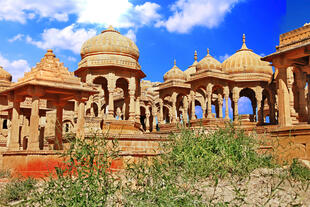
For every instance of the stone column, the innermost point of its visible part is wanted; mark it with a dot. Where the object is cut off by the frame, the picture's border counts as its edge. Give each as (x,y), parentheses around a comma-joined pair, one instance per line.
(226,96)
(58,127)
(131,105)
(81,119)
(220,103)
(193,117)
(283,99)
(185,111)
(161,111)
(301,83)
(154,112)
(138,109)
(111,103)
(235,99)
(33,142)
(290,82)
(308,98)
(260,106)
(174,108)
(209,97)
(147,119)
(13,141)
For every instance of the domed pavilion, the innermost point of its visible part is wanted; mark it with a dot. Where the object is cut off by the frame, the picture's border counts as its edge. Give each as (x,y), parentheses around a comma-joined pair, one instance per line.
(110,60)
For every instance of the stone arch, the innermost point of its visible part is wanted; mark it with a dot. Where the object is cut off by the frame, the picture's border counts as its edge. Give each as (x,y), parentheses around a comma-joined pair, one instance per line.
(103,94)
(142,116)
(217,100)
(249,102)
(123,84)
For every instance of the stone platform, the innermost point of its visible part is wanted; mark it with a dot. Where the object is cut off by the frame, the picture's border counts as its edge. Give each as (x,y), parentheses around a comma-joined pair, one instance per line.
(42,163)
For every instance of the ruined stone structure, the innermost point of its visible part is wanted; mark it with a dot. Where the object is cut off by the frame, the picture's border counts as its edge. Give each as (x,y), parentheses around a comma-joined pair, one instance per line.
(106,94)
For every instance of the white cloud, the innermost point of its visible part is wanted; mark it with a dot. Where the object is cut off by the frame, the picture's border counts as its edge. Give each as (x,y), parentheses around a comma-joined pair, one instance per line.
(69,38)
(16,37)
(104,12)
(21,10)
(119,13)
(190,13)
(222,58)
(16,68)
(131,35)
(147,13)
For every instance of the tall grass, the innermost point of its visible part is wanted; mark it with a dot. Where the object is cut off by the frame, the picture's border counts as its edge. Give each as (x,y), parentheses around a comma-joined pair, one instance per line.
(188,173)
(84,179)
(173,178)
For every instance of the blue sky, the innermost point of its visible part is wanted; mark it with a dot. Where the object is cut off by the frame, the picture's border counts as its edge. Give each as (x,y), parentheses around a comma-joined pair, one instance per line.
(163,30)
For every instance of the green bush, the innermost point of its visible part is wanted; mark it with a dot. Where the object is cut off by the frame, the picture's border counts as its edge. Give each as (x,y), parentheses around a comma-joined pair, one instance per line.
(299,172)
(191,156)
(17,190)
(84,180)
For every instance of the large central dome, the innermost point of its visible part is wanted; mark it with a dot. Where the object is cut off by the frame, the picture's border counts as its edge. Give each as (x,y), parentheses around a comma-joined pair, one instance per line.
(109,48)
(110,41)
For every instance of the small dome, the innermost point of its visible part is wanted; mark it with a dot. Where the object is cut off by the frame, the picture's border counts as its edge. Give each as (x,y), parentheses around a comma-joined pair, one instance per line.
(175,73)
(208,63)
(4,75)
(110,41)
(246,61)
(191,69)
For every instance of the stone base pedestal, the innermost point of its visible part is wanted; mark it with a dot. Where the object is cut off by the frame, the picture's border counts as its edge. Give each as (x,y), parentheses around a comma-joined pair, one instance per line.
(291,142)
(116,127)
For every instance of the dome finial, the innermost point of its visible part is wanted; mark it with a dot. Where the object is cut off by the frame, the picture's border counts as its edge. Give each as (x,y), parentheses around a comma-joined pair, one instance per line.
(175,62)
(243,43)
(195,56)
(208,51)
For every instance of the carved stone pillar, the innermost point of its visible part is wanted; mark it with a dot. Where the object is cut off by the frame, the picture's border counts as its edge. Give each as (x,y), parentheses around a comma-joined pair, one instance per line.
(260,107)
(235,100)
(308,98)
(185,111)
(161,111)
(174,108)
(13,139)
(193,117)
(226,96)
(283,99)
(131,105)
(138,109)
(154,113)
(301,83)
(111,103)
(220,103)
(147,119)
(33,142)
(58,127)
(290,82)
(81,120)
(209,97)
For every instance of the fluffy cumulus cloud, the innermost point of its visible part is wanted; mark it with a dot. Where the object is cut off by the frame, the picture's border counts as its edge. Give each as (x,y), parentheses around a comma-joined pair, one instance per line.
(119,13)
(190,13)
(69,38)
(16,68)
(21,10)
